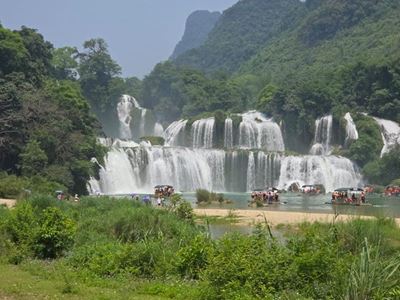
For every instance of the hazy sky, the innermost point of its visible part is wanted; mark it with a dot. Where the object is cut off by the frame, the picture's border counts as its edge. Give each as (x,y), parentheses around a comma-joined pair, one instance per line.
(140,33)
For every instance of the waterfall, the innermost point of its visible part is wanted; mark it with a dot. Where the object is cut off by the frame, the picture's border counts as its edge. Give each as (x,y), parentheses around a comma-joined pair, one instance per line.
(158,129)
(331,171)
(202,133)
(251,172)
(390,132)
(323,136)
(140,167)
(124,108)
(258,132)
(228,133)
(142,126)
(351,129)
(174,134)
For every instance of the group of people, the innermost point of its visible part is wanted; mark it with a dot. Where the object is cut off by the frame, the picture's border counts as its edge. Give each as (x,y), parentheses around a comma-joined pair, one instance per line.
(61,196)
(163,191)
(267,197)
(310,190)
(350,198)
(392,191)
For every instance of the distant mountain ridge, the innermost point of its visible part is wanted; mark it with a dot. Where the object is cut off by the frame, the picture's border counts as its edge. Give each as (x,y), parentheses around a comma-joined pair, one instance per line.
(198,26)
(248,33)
(242,31)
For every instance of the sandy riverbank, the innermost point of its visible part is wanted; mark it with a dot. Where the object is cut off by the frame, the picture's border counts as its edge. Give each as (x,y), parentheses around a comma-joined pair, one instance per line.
(7,202)
(248,217)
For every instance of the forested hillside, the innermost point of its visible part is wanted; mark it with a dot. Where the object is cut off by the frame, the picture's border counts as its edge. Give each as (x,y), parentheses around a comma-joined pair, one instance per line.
(47,127)
(241,32)
(198,26)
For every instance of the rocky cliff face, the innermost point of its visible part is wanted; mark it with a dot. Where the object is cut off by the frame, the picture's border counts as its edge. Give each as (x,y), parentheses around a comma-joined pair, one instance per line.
(198,26)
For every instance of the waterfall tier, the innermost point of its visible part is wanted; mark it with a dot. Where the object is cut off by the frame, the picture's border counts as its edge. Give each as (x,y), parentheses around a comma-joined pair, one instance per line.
(351,129)
(140,168)
(322,136)
(390,134)
(255,131)
(135,121)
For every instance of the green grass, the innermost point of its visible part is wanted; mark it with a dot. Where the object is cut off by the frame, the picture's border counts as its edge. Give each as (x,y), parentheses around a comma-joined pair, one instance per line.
(52,280)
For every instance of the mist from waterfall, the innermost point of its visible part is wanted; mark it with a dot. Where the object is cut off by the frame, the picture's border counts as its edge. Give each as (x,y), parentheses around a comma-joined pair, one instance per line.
(322,136)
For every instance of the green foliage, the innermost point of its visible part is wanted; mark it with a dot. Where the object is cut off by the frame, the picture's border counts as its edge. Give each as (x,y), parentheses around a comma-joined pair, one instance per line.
(372,278)
(97,70)
(242,30)
(369,144)
(154,140)
(193,258)
(55,233)
(64,63)
(34,159)
(173,91)
(384,170)
(12,186)
(13,53)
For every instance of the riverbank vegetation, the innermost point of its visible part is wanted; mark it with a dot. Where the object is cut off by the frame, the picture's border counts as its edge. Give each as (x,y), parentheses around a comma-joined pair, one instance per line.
(102,247)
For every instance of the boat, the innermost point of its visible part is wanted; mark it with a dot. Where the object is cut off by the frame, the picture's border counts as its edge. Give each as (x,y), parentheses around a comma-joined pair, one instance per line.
(264,197)
(349,196)
(312,189)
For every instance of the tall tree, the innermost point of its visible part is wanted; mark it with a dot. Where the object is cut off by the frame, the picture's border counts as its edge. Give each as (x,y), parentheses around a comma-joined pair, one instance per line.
(96,71)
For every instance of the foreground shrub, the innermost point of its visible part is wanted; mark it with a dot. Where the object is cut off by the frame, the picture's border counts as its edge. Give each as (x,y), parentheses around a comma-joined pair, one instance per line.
(193,258)
(371,277)
(55,234)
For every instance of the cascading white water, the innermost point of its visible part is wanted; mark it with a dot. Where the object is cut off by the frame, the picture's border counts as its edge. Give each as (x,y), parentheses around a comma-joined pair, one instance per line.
(331,171)
(251,172)
(131,168)
(139,169)
(323,136)
(124,108)
(174,134)
(351,129)
(158,129)
(390,132)
(142,125)
(258,132)
(202,133)
(228,133)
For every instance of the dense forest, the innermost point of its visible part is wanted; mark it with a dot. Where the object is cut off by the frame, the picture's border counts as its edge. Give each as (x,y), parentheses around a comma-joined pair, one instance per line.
(47,98)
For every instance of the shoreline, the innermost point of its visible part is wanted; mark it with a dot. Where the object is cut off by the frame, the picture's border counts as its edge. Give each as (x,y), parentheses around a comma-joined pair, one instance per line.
(246,217)
(274,218)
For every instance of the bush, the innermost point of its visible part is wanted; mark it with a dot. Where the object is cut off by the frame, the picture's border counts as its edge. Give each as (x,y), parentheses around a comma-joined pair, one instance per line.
(154,140)
(202,196)
(12,186)
(193,258)
(55,234)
